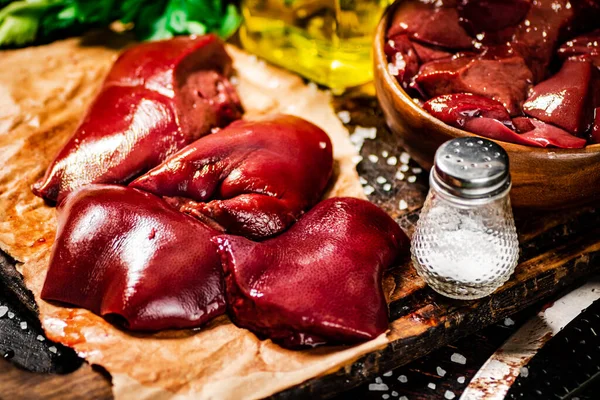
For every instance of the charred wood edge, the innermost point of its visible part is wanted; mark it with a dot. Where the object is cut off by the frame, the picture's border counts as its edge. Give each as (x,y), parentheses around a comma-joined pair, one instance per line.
(26,350)
(456,320)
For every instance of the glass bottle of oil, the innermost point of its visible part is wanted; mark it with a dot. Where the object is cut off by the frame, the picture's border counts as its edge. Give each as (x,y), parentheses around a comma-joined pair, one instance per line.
(327,41)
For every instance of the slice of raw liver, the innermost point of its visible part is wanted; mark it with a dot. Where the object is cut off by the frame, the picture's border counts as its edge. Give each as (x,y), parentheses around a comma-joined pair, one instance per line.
(565,99)
(254,178)
(158,97)
(127,255)
(588,44)
(319,282)
(431,23)
(492,15)
(504,78)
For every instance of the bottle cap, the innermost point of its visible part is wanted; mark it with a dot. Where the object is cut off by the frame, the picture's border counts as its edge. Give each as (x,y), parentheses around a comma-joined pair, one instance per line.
(472,168)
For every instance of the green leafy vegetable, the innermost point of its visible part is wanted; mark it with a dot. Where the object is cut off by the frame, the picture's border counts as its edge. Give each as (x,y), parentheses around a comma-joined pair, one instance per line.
(27,21)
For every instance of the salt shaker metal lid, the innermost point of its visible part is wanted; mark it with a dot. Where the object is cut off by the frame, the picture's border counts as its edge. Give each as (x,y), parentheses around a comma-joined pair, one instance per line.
(471,168)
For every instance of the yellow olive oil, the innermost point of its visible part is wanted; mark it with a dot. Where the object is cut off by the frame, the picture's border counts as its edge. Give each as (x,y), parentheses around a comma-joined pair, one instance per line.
(327,41)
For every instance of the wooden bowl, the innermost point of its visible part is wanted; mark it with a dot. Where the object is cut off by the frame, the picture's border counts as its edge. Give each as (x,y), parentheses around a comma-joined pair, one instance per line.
(542,178)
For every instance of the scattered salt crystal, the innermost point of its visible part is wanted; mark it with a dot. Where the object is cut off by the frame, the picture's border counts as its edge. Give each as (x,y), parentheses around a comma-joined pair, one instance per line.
(412,179)
(356,159)
(417,170)
(378,387)
(403,378)
(373,158)
(395,394)
(389,373)
(431,385)
(403,398)
(399,175)
(449,395)
(368,189)
(392,69)
(3,311)
(385,396)
(40,338)
(508,322)
(23,325)
(385,153)
(524,372)
(460,379)
(381,180)
(11,314)
(378,380)
(392,161)
(458,358)
(344,116)
(53,349)
(362,181)
(360,134)
(404,157)
(402,205)
(440,371)
(404,168)
(387,187)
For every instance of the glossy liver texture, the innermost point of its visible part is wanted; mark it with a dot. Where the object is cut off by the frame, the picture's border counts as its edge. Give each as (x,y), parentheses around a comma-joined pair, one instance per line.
(509,51)
(127,255)
(254,178)
(319,282)
(157,98)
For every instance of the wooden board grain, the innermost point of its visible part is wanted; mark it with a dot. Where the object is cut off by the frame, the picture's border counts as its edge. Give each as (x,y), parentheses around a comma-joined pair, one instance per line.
(557,250)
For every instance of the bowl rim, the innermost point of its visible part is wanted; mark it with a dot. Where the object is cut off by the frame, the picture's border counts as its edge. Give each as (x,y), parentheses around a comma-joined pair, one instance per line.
(391,82)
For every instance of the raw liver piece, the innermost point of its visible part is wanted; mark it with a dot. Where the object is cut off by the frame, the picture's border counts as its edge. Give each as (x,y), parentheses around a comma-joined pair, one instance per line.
(254,178)
(126,254)
(566,98)
(548,135)
(492,15)
(583,45)
(456,109)
(157,98)
(319,282)
(595,132)
(403,59)
(506,79)
(427,53)
(538,35)
(431,24)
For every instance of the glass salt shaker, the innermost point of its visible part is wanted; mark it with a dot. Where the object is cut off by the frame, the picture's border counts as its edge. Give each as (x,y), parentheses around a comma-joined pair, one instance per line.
(465,244)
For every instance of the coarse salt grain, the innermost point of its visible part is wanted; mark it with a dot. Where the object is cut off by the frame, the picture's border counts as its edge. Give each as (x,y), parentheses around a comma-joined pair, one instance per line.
(404,157)
(11,314)
(344,116)
(389,373)
(458,358)
(440,371)
(385,153)
(368,189)
(356,159)
(381,180)
(3,311)
(402,205)
(403,378)
(431,385)
(449,395)
(23,325)
(395,394)
(373,158)
(53,349)
(403,398)
(460,379)
(362,180)
(378,387)
(524,372)
(509,321)
(392,160)
(404,168)
(417,170)
(40,338)
(387,187)
(411,179)
(399,175)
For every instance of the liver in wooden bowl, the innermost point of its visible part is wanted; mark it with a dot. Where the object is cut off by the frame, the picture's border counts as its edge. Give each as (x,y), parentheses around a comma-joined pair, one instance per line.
(543,177)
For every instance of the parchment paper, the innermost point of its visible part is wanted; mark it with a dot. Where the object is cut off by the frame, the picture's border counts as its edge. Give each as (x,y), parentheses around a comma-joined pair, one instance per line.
(43,92)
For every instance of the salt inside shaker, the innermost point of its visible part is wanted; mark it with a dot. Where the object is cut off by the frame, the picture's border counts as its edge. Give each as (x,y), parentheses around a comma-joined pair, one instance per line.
(465,244)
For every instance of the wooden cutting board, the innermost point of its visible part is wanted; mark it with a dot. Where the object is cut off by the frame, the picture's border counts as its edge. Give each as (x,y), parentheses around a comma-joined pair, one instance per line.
(558,249)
